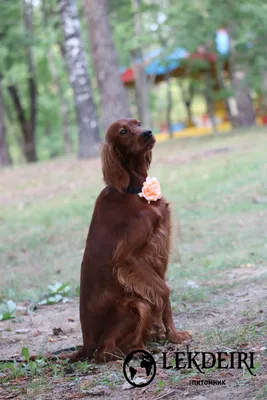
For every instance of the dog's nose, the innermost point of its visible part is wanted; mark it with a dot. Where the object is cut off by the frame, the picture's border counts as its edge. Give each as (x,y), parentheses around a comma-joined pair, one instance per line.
(147,134)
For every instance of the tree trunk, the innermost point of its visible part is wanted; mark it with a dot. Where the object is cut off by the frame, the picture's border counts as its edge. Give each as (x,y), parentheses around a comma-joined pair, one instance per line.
(141,84)
(169,105)
(187,100)
(11,116)
(245,111)
(30,127)
(209,100)
(80,81)
(4,154)
(113,95)
(63,103)
(221,84)
(27,126)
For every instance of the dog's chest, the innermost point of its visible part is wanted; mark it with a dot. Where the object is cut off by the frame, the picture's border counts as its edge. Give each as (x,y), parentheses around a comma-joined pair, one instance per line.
(158,245)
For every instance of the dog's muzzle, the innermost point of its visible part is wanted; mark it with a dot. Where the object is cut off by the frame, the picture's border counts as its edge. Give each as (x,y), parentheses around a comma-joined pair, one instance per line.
(147,135)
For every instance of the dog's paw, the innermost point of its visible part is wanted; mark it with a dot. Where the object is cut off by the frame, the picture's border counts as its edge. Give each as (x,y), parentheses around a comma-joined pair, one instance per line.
(179,337)
(157,332)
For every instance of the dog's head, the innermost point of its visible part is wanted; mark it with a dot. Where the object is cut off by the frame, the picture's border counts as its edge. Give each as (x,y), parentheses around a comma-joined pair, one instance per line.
(128,145)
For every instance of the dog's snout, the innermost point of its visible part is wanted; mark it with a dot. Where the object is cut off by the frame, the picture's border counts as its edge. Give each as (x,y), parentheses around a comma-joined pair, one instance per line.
(147,134)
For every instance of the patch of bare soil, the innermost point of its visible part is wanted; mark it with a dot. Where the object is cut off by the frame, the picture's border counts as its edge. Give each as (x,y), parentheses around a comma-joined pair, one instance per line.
(36,331)
(232,320)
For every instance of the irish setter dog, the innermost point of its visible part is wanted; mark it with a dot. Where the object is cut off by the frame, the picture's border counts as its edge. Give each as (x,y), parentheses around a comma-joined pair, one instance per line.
(124,300)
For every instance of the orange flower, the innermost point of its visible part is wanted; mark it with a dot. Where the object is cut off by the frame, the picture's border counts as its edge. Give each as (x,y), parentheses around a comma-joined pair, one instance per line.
(151,190)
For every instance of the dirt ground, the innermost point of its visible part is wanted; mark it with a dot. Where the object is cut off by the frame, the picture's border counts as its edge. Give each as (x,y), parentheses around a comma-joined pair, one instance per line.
(228,309)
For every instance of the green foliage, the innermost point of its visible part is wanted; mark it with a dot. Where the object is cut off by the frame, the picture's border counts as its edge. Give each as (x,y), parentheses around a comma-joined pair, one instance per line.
(7,310)
(45,44)
(121,19)
(25,353)
(56,293)
(160,386)
(190,24)
(164,23)
(28,368)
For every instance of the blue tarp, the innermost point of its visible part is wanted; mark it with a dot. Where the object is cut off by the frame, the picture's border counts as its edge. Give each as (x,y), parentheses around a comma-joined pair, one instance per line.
(162,65)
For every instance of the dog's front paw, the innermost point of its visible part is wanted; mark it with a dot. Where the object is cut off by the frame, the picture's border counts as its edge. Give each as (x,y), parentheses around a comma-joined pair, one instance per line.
(179,337)
(157,332)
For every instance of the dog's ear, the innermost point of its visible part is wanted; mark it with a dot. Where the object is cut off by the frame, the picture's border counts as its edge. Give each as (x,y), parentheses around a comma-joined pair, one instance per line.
(148,158)
(112,166)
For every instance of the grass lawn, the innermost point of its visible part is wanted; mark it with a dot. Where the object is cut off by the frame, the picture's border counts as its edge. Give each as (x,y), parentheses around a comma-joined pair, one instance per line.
(45,211)
(217,187)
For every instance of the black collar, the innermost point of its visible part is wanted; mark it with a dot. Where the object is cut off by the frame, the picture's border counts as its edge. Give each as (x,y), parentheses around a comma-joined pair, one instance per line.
(133,190)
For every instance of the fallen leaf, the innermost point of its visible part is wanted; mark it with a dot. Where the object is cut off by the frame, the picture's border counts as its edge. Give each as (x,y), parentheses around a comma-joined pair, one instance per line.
(21,308)
(57,331)
(20,331)
(98,391)
(126,386)
(139,381)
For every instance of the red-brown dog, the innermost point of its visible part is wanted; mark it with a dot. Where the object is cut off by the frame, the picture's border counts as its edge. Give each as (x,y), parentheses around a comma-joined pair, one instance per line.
(124,299)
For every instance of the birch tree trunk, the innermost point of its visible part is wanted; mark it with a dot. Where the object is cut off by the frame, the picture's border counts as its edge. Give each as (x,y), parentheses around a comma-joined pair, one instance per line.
(113,95)
(141,85)
(47,11)
(78,74)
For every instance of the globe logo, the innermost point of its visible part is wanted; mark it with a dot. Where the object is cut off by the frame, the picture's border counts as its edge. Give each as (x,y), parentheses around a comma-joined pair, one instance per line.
(139,368)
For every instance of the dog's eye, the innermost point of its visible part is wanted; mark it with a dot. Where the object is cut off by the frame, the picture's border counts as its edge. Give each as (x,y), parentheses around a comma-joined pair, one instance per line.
(123,131)
(139,123)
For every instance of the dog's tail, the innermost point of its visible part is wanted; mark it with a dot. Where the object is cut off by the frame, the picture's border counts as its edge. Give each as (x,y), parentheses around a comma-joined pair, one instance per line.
(65,354)
(72,354)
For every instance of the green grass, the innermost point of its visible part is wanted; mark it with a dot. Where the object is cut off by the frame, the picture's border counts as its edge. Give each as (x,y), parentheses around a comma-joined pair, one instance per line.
(46,209)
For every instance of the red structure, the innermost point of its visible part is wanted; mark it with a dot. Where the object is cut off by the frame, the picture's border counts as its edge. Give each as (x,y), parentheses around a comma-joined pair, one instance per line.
(183,65)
